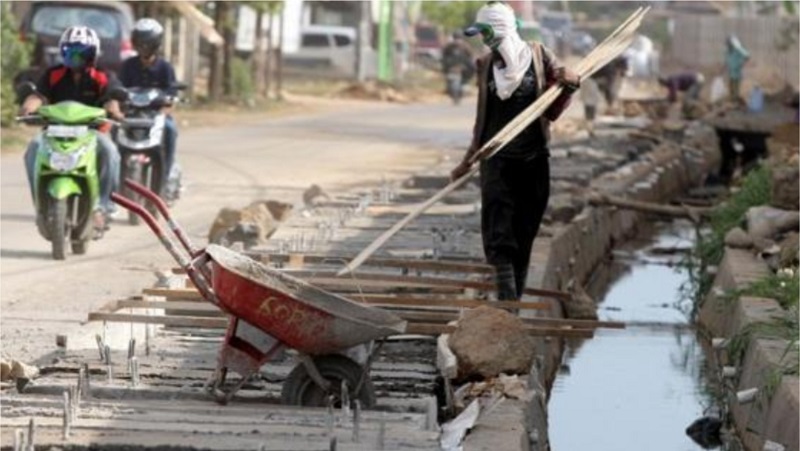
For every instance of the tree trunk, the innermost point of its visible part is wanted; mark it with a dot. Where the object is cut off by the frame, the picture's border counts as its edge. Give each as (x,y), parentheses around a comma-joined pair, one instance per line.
(215,81)
(268,65)
(279,84)
(230,48)
(258,54)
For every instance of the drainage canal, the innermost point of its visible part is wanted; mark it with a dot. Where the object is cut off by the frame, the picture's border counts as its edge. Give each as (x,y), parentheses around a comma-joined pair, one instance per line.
(641,387)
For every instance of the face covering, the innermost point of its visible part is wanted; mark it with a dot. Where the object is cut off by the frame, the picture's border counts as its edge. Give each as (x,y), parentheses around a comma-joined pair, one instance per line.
(499,30)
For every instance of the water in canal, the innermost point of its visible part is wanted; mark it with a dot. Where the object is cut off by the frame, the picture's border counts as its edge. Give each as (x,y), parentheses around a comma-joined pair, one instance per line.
(639,388)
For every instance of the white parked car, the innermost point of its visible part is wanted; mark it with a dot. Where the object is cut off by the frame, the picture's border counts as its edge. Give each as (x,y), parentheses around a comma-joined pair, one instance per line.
(324,47)
(643,58)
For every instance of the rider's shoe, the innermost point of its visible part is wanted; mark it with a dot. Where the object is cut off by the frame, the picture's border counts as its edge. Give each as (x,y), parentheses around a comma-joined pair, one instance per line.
(99,223)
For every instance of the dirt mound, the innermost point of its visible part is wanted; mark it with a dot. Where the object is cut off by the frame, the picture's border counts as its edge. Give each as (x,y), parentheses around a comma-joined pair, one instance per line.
(373,90)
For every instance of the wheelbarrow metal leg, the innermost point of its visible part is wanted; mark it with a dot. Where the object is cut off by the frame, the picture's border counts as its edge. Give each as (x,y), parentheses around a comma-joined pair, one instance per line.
(368,365)
(314,373)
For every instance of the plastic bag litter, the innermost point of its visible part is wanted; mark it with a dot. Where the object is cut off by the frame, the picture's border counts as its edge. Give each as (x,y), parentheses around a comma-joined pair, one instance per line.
(718,89)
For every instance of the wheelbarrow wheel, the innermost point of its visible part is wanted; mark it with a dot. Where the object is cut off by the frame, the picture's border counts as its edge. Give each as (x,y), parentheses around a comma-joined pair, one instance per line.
(299,389)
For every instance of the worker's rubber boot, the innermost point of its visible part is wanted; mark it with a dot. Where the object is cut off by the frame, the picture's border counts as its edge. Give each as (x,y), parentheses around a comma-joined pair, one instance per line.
(504,280)
(521,279)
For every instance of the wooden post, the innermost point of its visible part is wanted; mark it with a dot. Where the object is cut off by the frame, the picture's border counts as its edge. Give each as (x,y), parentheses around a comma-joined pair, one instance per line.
(168,39)
(259,56)
(269,56)
(181,61)
(279,84)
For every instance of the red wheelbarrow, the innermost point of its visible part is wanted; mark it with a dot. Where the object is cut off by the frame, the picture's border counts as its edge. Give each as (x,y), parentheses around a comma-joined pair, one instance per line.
(270,311)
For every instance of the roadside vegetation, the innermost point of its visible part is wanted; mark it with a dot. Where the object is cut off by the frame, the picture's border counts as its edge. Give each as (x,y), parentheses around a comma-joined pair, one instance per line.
(783,285)
(16,56)
(710,245)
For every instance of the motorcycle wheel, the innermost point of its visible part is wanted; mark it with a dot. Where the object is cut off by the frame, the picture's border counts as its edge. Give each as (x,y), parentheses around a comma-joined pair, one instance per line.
(80,247)
(134,172)
(58,228)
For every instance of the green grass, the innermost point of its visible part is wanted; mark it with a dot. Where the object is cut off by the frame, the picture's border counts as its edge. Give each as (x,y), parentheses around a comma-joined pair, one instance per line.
(710,245)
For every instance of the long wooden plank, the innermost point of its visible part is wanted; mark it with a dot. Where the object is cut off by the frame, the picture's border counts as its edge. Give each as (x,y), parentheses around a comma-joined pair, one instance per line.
(390,280)
(221,323)
(177,321)
(378,302)
(189,308)
(384,262)
(601,55)
(438,329)
(194,308)
(420,265)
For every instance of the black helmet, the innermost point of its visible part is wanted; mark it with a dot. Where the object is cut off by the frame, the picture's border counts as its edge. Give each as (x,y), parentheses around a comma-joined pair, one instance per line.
(147,36)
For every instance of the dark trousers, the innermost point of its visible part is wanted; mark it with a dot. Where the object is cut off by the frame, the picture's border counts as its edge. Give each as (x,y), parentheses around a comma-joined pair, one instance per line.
(514,195)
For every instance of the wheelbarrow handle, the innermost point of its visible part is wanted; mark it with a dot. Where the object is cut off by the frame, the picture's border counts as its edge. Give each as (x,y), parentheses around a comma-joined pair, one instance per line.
(164,210)
(199,278)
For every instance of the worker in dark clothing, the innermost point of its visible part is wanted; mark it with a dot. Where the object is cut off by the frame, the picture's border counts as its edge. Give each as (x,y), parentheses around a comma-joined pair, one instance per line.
(148,70)
(78,79)
(690,83)
(609,79)
(515,183)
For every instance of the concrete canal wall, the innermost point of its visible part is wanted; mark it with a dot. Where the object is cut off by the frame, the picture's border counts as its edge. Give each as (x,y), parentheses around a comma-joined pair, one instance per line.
(569,257)
(772,415)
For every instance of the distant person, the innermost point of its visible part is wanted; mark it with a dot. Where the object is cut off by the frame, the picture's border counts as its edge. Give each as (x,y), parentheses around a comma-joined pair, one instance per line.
(736,57)
(590,97)
(689,83)
(458,53)
(609,79)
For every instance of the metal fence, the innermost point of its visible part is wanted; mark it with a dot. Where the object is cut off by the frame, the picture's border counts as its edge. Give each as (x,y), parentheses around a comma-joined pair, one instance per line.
(699,41)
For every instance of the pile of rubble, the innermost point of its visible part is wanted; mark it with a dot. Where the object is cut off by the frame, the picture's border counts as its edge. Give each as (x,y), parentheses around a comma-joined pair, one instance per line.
(374,90)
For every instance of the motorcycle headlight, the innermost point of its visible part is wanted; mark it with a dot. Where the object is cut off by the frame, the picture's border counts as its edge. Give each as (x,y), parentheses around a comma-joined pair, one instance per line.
(65,161)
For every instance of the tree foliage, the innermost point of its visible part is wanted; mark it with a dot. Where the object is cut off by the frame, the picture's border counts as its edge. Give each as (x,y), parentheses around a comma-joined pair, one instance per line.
(16,57)
(451,16)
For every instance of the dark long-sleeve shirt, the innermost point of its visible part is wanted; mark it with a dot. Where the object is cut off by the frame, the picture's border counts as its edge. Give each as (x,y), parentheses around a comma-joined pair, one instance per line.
(159,75)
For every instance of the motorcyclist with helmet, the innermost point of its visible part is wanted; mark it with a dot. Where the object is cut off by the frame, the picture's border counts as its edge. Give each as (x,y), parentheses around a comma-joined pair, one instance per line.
(458,53)
(78,79)
(149,70)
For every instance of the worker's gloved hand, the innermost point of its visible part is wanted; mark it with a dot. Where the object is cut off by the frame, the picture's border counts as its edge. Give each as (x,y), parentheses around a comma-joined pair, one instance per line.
(568,79)
(460,170)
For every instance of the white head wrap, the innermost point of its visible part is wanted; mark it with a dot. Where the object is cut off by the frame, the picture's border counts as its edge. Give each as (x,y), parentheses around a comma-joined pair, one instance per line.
(516,53)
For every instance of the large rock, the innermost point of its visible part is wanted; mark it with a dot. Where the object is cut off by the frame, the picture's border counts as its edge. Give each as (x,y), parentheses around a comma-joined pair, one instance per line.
(738,239)
(790,247)
(785,185)
(581,305)
(767,222)
(251,225)
(488,341)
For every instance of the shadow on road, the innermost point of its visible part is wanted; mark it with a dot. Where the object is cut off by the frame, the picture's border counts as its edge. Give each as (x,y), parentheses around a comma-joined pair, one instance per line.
(18,217)
(25,254)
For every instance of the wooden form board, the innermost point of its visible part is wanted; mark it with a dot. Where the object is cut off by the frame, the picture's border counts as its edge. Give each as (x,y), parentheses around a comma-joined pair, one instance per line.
(194,309)
(220,323)
(377,300)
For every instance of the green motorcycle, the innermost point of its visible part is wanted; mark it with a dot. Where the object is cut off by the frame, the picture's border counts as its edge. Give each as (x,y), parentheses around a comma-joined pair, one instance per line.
(66,186)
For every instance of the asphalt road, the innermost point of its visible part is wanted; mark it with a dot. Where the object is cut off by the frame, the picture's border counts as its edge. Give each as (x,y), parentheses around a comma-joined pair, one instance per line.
(342,144)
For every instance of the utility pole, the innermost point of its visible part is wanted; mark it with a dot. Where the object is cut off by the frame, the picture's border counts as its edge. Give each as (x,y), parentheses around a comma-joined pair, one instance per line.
(363,38)
(385,40)
(279,68)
